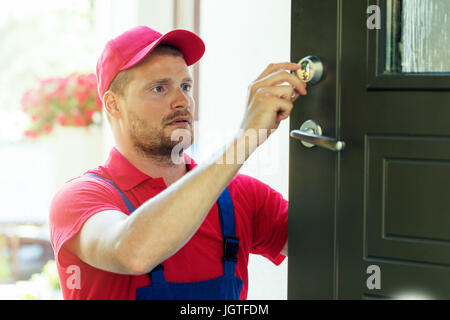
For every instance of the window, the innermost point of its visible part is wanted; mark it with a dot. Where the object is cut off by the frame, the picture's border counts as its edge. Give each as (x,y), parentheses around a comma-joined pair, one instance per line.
(418,36)
(40,39)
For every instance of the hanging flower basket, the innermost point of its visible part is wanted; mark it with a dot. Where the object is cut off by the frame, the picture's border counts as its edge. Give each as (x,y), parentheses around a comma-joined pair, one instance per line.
(67,101)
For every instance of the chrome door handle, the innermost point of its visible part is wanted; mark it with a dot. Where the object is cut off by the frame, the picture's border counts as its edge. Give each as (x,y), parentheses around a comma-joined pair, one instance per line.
(310,134)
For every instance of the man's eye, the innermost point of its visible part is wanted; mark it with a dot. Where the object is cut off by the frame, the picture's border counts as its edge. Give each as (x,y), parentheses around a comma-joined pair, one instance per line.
(157,89)
(187,87)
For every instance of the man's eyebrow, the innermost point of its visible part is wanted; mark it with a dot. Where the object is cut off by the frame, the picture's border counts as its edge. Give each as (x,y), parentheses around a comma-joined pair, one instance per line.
(167,80)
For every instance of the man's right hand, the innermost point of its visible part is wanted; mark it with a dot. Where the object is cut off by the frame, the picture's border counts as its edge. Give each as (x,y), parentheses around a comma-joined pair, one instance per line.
(270,100)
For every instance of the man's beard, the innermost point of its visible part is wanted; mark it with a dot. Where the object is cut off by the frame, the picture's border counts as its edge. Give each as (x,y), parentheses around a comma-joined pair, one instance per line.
(154,143)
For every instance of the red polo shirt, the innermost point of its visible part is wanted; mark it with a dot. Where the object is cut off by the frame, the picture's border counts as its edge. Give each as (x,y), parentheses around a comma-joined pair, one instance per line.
(261,216)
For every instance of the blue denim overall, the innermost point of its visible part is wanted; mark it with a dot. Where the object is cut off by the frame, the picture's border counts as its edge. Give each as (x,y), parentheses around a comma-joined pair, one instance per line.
(226,287)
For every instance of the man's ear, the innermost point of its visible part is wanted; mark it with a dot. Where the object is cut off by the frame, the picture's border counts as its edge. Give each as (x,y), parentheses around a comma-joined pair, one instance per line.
(111,103)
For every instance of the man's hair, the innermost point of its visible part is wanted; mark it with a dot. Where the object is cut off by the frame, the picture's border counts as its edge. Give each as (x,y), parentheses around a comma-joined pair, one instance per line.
(120,82)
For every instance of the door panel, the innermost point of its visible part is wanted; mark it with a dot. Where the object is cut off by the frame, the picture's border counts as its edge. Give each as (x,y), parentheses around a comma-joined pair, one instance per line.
(311,258)
(383,200)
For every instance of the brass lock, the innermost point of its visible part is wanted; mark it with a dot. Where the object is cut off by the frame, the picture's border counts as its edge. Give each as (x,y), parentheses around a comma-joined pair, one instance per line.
(311,69)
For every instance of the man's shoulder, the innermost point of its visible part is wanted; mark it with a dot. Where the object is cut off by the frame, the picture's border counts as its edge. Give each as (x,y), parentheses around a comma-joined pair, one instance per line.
(83,195)
(84,185)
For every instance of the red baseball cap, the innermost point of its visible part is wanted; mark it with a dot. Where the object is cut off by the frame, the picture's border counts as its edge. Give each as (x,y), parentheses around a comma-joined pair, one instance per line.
(129,48)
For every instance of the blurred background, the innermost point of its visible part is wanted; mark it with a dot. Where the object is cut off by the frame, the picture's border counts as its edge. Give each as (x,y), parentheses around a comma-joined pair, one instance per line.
(52,126)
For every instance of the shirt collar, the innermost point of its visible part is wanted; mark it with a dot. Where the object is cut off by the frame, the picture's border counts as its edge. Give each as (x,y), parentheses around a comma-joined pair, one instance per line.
(126,176)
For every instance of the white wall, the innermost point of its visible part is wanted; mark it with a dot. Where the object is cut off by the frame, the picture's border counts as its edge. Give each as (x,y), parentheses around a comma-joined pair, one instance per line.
(242,38)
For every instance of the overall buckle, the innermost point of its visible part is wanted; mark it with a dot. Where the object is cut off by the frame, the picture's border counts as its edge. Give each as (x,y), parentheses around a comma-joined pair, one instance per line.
(230,248)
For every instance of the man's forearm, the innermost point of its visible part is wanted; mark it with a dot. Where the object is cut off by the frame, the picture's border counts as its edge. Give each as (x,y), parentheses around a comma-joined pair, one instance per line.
(163,224)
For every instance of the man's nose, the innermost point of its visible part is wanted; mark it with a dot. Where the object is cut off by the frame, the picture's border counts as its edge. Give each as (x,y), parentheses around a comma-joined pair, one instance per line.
(181,99)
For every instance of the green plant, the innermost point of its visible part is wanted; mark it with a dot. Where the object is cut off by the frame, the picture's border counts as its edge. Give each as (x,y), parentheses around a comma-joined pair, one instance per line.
(5,269)
(50,272)
(40,286)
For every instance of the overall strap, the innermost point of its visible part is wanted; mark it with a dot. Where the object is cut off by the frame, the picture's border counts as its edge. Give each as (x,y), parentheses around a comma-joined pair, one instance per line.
(127,202)
(227,224)
(157,272)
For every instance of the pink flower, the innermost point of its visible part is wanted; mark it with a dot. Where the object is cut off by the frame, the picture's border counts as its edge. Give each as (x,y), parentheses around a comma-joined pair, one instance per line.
(47,127)
(62,98)
(33,134)
(78,121)
(77,118)
(89,113)
(46,107)
(61,119)
(26,99)
(98,101)
(35,117)
(68,101)
(81,96)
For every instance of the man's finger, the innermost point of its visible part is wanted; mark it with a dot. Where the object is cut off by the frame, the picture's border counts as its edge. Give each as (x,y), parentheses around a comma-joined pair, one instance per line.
(284,92)
(274,67)
(282,77)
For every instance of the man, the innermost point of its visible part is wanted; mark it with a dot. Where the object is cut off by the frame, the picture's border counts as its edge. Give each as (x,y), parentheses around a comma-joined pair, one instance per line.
(147,226)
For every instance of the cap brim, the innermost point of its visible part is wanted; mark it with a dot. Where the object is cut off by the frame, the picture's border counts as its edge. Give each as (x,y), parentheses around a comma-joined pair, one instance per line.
(187,42)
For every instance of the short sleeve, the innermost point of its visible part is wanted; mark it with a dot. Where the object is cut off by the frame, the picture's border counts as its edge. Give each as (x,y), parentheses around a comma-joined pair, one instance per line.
(270,223)
(73,204)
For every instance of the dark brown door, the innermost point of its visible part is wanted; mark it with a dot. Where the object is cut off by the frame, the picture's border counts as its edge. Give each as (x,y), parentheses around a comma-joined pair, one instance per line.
(384,201)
